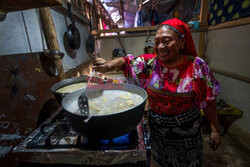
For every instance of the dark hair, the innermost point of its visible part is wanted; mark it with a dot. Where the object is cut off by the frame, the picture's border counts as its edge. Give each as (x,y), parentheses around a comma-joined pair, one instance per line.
(171,28)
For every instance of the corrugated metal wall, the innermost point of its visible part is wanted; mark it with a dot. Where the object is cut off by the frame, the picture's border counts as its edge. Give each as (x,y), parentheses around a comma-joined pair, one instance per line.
(15,39)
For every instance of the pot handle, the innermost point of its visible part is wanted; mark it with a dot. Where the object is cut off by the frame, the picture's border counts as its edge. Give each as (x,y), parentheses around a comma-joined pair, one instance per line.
(70,14)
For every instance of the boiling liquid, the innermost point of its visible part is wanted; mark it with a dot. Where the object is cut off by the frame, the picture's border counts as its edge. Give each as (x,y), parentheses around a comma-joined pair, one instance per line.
(110,102)
(73,87)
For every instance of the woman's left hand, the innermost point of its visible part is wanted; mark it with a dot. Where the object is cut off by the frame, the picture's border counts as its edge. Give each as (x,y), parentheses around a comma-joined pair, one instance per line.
(214,141)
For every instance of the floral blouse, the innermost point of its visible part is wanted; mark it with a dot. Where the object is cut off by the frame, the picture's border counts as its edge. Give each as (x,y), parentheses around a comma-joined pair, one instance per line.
(190,76)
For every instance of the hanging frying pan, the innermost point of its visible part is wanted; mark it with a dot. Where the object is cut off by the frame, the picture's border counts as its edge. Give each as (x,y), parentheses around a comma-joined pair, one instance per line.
(73,34)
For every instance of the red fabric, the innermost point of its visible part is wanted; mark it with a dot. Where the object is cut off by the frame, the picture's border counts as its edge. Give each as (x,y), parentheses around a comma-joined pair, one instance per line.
(189,47)
(169,103)
(126,70)
(104,25)
(147,56)
(185,70)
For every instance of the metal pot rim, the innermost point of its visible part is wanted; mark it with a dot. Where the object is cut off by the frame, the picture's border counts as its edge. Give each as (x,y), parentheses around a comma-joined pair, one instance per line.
(66,82)
(107,115)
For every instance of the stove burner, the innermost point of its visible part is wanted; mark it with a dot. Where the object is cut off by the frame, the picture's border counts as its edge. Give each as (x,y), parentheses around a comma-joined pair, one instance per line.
(127,141)
(56,142)
(58,134)
(61,131)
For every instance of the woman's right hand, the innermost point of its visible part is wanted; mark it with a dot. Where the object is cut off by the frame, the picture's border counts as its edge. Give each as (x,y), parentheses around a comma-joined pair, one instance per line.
(101,65)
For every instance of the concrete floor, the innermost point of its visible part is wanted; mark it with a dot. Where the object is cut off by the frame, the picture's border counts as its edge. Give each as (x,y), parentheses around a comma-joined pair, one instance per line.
(231,153)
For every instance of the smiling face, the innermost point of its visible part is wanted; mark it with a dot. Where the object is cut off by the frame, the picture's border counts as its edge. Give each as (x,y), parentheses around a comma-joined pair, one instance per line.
(167,45)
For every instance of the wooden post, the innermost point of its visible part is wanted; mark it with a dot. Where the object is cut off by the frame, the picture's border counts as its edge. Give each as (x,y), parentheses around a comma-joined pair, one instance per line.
(94,16)
(50,36)
(203,23)
(105,12)
(122,10)
(202,41)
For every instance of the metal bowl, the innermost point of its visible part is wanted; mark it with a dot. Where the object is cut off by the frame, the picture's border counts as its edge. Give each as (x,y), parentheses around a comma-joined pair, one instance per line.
(66,82)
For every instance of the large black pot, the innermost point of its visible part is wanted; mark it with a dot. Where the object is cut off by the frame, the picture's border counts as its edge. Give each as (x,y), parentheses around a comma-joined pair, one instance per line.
(106,126)
(66,82)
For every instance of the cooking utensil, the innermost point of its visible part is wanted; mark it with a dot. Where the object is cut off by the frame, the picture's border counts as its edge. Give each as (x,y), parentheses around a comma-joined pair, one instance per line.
(105,126)
(73,34)
(83,99)
(66,82)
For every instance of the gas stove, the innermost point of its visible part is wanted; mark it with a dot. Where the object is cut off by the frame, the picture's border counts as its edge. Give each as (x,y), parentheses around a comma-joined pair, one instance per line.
(55,142)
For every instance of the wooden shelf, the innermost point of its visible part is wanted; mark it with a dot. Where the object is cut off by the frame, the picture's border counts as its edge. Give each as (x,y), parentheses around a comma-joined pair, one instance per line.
(82,20)
(135,34)
(15,5)
(233,23)
(231,75)
(118,30)
(137,30)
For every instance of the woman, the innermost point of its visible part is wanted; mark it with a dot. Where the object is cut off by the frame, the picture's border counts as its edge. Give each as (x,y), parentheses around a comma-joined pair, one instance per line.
(178,84)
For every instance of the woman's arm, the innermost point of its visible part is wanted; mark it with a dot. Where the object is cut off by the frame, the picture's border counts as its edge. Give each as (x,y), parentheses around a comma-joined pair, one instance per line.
(211,115)
(134,68)
(103,66)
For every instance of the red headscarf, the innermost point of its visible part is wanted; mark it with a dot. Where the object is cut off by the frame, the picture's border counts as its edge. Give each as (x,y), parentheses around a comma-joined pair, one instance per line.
(189,48)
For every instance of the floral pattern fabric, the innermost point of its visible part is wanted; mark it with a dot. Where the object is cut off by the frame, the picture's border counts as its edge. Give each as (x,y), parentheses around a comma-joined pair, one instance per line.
(192,75)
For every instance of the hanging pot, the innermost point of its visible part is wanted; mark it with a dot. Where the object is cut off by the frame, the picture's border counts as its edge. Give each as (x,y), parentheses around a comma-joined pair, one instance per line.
(73,34)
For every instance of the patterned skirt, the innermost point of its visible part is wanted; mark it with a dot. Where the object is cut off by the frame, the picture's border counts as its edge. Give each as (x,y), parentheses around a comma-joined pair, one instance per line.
(176,140)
